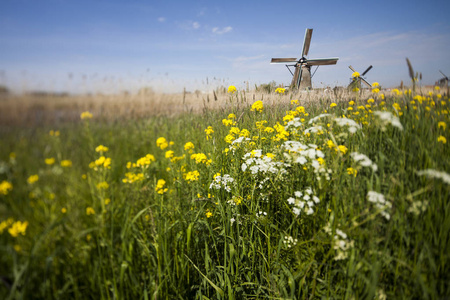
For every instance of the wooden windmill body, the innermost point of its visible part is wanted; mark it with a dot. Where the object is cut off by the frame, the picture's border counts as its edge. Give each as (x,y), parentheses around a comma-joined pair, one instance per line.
(301,78)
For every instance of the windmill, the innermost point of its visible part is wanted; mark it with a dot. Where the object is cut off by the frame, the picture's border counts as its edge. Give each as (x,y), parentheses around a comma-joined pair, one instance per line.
(356,81)
(443,82)
(302,74)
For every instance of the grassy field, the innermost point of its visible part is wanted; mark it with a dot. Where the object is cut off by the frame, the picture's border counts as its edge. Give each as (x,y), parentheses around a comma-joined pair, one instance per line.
(298,196)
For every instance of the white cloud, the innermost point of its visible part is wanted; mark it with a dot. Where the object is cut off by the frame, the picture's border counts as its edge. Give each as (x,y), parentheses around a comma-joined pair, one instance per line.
(217,30)
(195,25)
(161,19)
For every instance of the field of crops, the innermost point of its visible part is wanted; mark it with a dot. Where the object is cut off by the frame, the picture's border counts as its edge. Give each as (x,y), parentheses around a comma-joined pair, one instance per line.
(256,199)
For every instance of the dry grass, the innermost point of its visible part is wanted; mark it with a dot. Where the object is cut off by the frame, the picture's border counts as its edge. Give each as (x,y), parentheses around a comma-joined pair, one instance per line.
(31,110)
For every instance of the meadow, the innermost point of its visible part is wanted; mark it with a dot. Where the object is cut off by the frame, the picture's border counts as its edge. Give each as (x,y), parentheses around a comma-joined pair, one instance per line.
(236,195)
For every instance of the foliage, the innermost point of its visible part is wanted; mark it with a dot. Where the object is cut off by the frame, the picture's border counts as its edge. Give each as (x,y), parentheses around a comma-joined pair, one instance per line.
(348,200)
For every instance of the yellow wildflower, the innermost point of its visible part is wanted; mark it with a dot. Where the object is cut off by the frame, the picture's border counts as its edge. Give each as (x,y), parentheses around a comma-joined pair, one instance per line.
(160,187)
(66,163)
(86,115)
(5,187)
(228,122)
(208,214)
(343,149)
(107,201)
(375,84)
(294,102)
(437,88)
(102,185)
(280,90)
(333,105)
(375,91)
(32,179)
(370,100)
(63,210)
(101,149)
(90,211)
(355,75)
(54,133)
(351,171)
(209,131)
(231,89)
(442,124)
(442,139)
(18,228)
(170,154)
(188,146)
(162,143)
(50,161)
(257,106)
(191,176)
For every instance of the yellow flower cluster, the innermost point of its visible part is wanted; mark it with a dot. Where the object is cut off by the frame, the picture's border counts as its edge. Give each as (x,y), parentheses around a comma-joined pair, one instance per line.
(133,177)
(280,90)
(201,158)
(67,163)
(50,161)
(257,106)
(188,146)
(15,228)
(5,187)
(351,171)
(191,176)
(355,75)
(85,115)
(101,149)
(54,133)
(32,179)
(90,211)
(160,186)
(231,89)
(209,131)
(142,162)
(102,185)
(162,143)
(101,162)
(282,134)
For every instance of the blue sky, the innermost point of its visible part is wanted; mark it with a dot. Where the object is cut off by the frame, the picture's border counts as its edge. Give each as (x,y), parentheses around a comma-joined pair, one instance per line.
(111,45)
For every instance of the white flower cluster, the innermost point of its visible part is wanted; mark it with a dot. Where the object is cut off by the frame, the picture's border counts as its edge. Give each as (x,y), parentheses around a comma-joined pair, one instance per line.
(363,160)
(313,129)
(261,214)
(222,182)
(234,144)
(296,152)
(352,125)
(313,120)
(380,202)
(303,202)
(418,207)
(435,174)
(342,244)
(256,162)
(388,118)
(289,241)
(295,122)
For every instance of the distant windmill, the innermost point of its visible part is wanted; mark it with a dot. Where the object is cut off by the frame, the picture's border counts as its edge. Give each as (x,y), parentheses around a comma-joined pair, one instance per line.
(356,81)
(302,74)
(443,82)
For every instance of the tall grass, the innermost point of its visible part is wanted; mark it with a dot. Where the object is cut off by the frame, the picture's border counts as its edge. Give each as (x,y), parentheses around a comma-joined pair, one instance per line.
(264,219)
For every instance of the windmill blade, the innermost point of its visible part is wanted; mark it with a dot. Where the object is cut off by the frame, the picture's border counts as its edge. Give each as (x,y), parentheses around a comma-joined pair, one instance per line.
(367,83)
(443,74)
(351,68)
(283,60)
(367,70)
(322,61)
(307,41)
